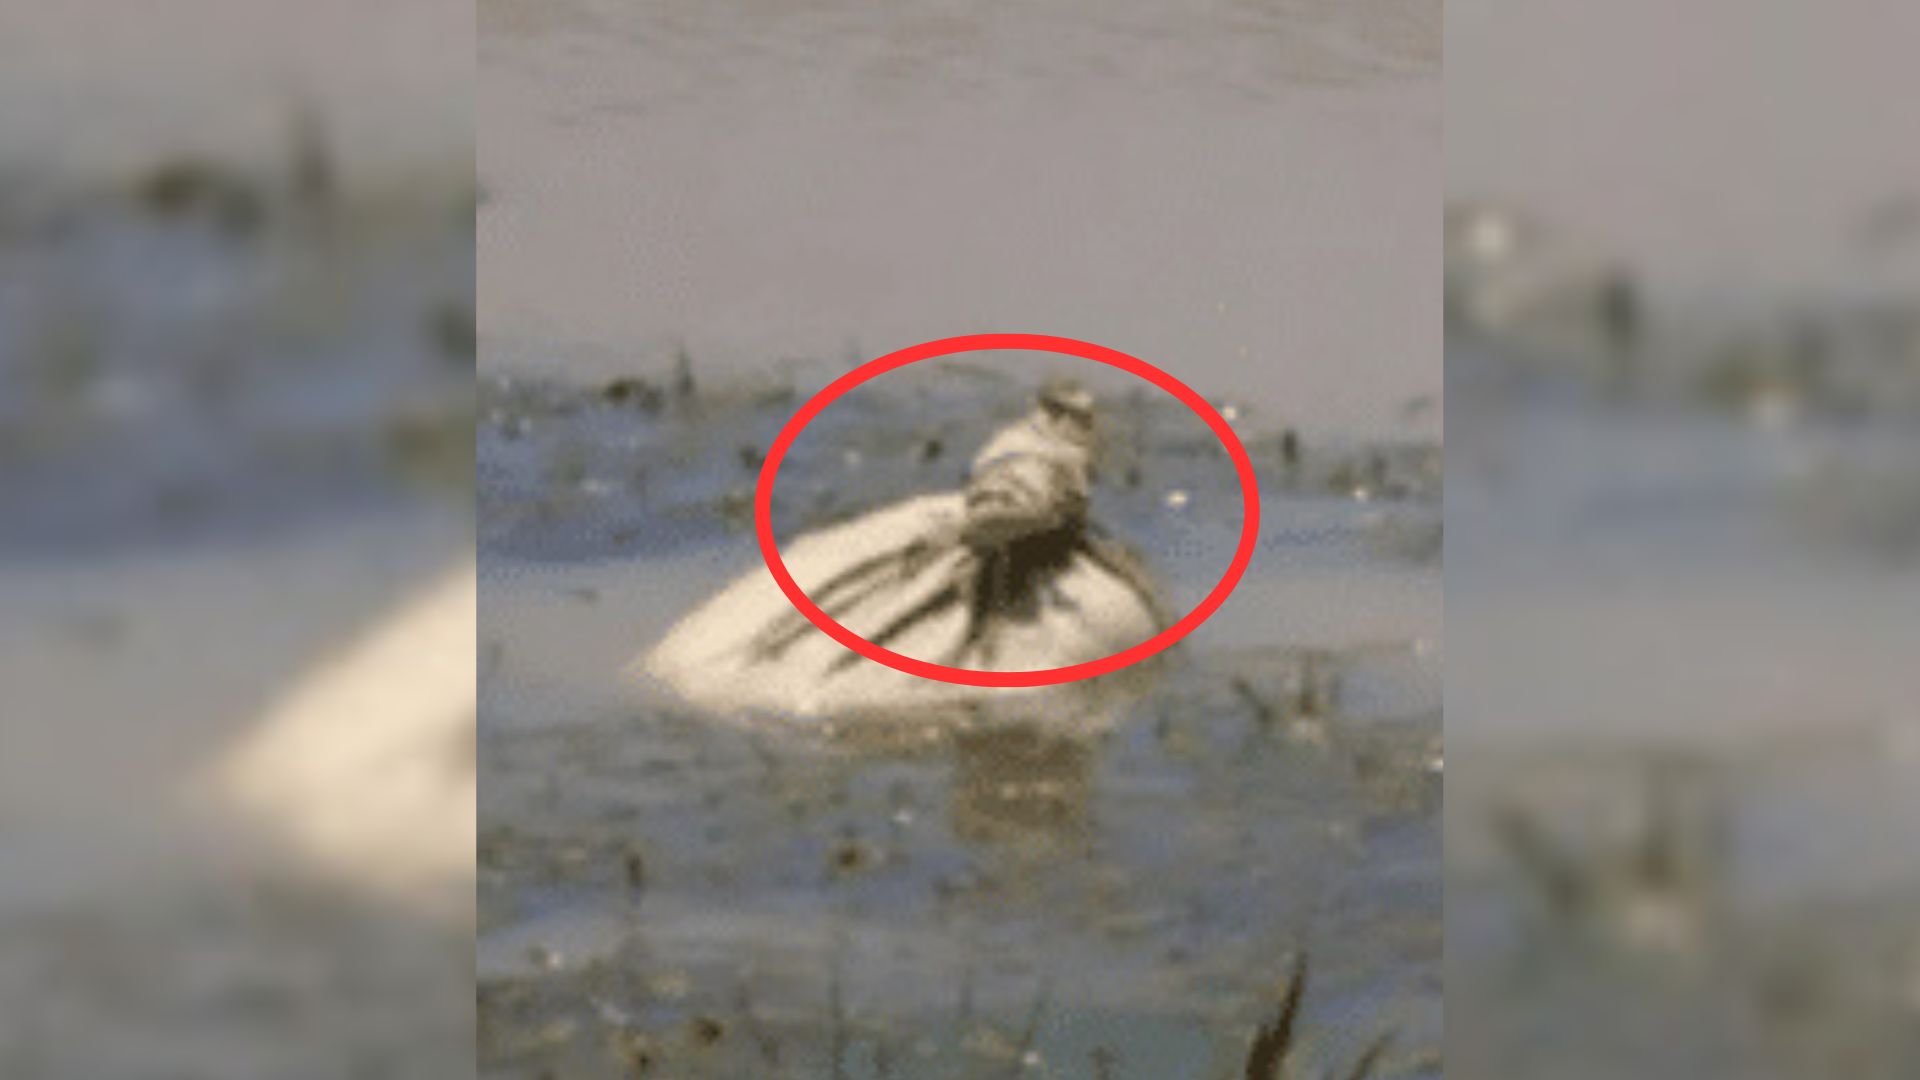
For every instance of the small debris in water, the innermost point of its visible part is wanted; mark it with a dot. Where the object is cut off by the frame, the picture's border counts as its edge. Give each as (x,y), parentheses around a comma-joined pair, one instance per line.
(683,385)
(706,1031)
(451,327)
(635,1050)
(852,856)
(187,187)
(1290,448)
(630,391)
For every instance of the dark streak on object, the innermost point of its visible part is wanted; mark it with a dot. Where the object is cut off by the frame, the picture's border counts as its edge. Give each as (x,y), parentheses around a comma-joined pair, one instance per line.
(1274,1041)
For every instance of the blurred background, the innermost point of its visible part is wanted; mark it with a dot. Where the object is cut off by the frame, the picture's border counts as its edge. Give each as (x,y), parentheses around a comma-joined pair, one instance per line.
(1683,346)
(236,370)
(1683,383)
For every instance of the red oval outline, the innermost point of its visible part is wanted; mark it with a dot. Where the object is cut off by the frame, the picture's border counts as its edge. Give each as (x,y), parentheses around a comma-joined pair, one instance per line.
(1242,556)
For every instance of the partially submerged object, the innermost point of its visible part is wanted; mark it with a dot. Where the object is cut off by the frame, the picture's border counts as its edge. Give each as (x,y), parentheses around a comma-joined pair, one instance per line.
(366,766)
(1008,575)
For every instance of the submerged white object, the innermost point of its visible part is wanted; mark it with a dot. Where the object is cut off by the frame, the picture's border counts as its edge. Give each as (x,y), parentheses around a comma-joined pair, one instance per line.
(1004,576)
(366,765)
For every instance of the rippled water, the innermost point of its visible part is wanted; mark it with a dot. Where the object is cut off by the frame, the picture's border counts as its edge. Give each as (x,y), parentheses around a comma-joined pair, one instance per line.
(1240,193)
(654,882)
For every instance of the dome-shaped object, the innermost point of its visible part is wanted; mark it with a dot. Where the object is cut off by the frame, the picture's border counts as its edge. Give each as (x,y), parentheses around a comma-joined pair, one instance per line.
(1007,575)
(367,763)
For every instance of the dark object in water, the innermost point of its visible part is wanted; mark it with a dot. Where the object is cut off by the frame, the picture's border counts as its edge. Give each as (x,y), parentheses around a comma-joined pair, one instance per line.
(1655,890)
(706,1031)
(1369,1059)
(1620,318)
(1274,1041)
(630,391)
(184,188)
(452,328)
(851,856)
(683,386)
(313,179)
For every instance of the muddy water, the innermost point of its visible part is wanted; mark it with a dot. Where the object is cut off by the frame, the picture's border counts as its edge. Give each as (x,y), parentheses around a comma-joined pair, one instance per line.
(1236,191)
(719,899)
(1239,193)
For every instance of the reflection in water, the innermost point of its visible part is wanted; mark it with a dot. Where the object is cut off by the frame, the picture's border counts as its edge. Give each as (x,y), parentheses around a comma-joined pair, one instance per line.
(1643,875)
(1020,781)
(1150,865)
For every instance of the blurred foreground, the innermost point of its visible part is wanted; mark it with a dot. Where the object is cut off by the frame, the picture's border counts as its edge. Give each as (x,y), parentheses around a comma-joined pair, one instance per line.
(1683,386)
(235,438)
(1685,595)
